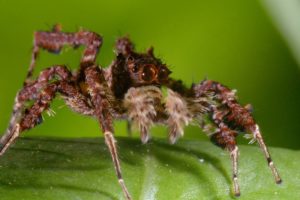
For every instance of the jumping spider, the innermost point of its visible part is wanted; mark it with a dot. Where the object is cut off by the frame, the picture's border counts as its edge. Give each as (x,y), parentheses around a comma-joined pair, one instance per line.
(130,89)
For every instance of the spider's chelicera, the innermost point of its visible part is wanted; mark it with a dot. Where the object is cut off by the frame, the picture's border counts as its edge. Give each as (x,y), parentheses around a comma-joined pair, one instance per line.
(130,89)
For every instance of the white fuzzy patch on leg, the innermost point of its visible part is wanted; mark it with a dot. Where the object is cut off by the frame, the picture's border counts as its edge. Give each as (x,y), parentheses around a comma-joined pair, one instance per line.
(179,115)
(140,104)
(183,110)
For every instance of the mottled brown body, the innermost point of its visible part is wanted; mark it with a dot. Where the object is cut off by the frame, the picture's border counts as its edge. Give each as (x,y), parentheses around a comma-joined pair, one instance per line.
(130,89)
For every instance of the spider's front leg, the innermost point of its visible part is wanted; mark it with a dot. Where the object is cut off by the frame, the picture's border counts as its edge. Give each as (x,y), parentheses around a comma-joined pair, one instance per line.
(30,118)
(41,92)
(230,118)
(55,40)
(102,98)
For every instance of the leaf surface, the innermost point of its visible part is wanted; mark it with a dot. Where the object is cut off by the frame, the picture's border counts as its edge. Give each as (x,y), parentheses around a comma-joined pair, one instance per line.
(75,169)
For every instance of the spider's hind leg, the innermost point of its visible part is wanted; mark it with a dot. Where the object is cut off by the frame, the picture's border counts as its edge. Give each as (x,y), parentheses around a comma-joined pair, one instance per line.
(229,114)
(225,138)
(257,136)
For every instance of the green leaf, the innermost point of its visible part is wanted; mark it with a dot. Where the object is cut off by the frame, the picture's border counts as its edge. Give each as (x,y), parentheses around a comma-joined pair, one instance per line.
(44,168)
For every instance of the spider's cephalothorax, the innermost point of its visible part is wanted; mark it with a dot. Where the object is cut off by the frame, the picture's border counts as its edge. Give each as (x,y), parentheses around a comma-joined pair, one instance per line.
(130,89)
(131,69)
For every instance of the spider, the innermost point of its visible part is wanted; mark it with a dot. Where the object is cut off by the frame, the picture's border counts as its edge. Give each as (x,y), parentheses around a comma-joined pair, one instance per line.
(130,89)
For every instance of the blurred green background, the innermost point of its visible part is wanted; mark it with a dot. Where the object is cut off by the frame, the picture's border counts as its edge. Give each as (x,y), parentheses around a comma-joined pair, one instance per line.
(234,42)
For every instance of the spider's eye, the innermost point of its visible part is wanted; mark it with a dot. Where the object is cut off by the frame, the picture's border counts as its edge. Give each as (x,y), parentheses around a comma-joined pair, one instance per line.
(131,64)
(130,59)
(148,73)
(134,68)
(163,73)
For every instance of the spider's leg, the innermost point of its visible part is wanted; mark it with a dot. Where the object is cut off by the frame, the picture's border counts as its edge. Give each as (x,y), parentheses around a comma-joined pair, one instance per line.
(224,137)
(55,40)
(33,92)
(75,99)
(226,140)
(30,92)
(67,87)
(101,99)
(239,117)
(31,117)
(257,135)
(13,127)
(234,153)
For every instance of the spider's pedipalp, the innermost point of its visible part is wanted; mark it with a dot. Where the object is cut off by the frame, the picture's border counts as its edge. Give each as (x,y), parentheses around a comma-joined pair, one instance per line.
(179,115)
(142,104)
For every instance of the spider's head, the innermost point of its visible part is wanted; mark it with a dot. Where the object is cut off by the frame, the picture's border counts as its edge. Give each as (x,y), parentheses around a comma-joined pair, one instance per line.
(143,68)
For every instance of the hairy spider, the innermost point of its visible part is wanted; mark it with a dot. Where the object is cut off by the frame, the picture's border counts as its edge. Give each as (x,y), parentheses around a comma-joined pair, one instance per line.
(130,89)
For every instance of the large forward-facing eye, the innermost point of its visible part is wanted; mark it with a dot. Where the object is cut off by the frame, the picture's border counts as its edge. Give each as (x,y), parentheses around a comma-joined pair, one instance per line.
(149,73)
